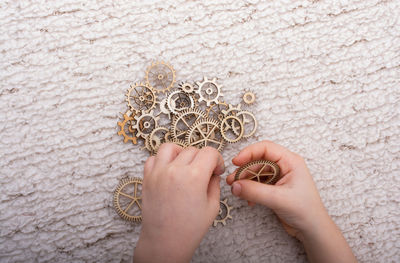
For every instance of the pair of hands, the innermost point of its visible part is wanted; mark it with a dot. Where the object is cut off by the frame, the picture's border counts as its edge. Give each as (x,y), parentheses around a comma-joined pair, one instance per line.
(181,194)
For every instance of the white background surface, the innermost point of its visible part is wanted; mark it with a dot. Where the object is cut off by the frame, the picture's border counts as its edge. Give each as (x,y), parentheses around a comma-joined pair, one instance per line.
(327,77)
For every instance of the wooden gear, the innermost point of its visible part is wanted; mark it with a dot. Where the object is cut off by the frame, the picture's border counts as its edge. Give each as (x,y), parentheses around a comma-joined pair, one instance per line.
(133,198)
(262,171)
(224,213)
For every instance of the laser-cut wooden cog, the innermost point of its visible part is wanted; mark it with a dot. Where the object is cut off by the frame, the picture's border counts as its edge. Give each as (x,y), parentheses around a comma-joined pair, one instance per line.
(224,213)
(126,124)
(160,76)
(128,189)
(262,171)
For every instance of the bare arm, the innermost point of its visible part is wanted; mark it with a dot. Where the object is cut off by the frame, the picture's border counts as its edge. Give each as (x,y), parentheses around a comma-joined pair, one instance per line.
(295,200)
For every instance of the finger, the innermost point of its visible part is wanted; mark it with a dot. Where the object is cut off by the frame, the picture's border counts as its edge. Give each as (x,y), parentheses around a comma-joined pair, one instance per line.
(266,150)
(210,161)
(148,166)
(231,177)
(166,154)
(251,203)
(214,190)
(186,156)
(258,193)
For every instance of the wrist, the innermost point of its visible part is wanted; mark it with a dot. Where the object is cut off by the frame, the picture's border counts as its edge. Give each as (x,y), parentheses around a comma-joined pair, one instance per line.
(161,248)
(318,223)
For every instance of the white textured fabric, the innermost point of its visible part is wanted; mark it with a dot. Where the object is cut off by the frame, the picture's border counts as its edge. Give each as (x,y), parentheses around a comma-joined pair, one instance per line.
(327,77)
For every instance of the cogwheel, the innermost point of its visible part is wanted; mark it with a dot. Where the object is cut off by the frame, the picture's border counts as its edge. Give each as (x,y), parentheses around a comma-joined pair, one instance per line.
(205,132)
(249,123)
(147,146)
(249,97)
(127,198)
(160,76)
(145,124)
(157,137)
(140,97)
(215,111)
(263,171)
(178,101)
(164,108)
(232,110)
(128,118)
(232,129)
(208,91)
(224,213)
(183,122)
(186,87)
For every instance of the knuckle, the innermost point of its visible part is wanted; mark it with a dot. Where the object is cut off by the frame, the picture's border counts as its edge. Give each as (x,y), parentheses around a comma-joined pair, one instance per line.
(191,149)
(210,150)
(165,147)
(196,171)
(171,171)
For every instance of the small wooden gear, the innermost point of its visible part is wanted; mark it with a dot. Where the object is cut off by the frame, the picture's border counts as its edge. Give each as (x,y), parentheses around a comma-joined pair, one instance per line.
(125,126)
(262,171)
(224,213)
(160,76)
(140,97)
(249,97)
(127,200)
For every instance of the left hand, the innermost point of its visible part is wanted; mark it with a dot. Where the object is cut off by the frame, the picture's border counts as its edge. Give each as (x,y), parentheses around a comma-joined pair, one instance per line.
(181,195)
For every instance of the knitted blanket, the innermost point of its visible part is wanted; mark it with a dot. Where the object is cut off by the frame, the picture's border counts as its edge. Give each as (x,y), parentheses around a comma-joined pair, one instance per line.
(326,75)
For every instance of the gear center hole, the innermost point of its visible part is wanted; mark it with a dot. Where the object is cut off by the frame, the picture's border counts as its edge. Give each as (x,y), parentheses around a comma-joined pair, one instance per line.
(146,125)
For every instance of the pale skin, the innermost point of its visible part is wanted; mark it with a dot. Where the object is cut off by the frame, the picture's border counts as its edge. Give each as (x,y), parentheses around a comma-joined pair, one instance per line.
(181,194)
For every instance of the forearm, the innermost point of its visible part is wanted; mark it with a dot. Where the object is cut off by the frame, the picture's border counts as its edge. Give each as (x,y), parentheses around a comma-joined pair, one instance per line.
(325,243)
(151,250)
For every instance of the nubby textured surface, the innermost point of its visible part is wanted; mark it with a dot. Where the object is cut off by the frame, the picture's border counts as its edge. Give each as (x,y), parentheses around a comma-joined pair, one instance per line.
(327,79)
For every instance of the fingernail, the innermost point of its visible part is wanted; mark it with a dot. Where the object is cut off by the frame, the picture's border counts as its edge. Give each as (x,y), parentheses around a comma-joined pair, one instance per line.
(236,189)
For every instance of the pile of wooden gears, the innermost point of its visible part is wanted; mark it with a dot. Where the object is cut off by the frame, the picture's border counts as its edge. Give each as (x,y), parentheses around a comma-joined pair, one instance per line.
(188,114)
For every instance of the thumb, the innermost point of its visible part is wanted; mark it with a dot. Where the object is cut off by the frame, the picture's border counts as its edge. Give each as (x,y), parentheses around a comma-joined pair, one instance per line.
(263,194)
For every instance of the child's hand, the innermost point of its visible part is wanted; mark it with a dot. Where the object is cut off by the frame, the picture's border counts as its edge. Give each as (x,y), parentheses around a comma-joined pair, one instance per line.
(180,202)
(295,200)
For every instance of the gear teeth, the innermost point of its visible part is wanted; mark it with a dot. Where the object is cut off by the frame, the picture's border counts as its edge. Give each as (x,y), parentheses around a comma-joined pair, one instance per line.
(199,91)
(248,97)
(175,110)
(274,165)
(139,107)
(122,132)
(253,119)
(223,131)
(231,108)
(216,124)
(138,118)
(174,130)
(227,216)
(151,83)
(120,211)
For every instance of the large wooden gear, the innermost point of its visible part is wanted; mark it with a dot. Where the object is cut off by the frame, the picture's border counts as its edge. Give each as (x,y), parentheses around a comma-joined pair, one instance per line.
(127,198)
(262,171)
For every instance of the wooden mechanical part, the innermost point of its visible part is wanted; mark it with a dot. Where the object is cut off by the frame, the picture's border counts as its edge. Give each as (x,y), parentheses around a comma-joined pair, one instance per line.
(127,199)
(262,171)
(224,213)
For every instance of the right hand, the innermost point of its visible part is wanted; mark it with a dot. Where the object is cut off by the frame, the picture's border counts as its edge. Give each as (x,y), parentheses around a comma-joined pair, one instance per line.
(294,198)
